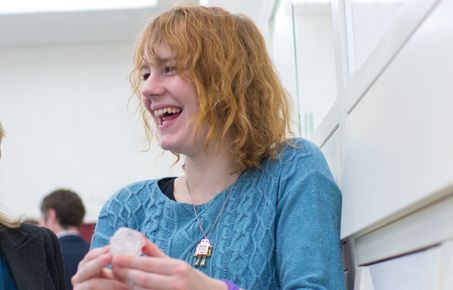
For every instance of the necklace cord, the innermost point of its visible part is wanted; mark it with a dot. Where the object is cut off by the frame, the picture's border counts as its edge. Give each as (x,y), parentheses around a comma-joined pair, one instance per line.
(218,215)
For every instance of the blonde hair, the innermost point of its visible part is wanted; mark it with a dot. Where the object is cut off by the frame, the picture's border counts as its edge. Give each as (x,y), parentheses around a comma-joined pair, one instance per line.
(2,133)
(225,58)
(5,220)
(8,222)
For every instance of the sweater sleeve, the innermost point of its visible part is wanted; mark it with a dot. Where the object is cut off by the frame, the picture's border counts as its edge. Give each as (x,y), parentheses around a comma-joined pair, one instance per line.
(308,245)
(126,208)
(110,219)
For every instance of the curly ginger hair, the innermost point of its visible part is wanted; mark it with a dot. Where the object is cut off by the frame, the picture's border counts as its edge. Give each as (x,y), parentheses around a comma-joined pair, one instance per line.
(239,92)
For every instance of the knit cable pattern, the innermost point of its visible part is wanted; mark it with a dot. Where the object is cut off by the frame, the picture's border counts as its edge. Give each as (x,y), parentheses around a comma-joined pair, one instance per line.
(277,217)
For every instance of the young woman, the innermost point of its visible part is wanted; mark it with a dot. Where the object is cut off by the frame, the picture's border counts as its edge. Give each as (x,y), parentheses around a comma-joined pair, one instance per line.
(30,256)
(255,209)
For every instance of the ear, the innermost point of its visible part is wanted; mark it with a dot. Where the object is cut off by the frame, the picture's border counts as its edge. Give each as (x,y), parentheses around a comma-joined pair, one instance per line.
(51,216)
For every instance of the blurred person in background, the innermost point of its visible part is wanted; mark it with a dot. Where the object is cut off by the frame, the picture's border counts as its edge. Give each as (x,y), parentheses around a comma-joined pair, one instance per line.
(31,221)
(30,256)
(62,212)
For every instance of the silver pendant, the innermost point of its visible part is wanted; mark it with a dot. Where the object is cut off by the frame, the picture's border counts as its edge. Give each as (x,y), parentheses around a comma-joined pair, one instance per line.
(203,251)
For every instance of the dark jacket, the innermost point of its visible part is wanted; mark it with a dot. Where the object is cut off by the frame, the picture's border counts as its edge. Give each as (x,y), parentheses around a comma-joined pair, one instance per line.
(73,248)
(34,258)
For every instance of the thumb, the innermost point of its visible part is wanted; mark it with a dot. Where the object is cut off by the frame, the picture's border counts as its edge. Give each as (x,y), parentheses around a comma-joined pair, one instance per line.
(150,249)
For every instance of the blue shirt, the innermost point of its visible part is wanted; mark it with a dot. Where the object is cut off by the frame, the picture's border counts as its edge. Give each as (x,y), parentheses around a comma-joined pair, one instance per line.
(280,228)
(6,277)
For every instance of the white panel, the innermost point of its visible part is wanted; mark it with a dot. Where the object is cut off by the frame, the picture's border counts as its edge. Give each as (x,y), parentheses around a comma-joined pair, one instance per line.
(363,279)
(404,235)
(410,16)
(327,127)
(416,271)
(446,269)
(398,142)
(369,21)
(331,150)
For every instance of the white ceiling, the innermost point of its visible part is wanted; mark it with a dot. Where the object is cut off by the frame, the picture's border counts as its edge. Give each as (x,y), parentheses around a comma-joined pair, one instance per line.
(94,27)
(69,27)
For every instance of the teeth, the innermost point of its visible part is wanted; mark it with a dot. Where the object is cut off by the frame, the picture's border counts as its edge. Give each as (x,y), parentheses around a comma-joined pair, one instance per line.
(162,111)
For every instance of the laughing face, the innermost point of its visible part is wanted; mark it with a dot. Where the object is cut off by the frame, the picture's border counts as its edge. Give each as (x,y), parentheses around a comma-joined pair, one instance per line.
(172,101)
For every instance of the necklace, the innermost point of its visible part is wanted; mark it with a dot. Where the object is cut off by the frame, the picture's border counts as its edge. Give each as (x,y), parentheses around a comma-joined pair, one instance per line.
(204,248)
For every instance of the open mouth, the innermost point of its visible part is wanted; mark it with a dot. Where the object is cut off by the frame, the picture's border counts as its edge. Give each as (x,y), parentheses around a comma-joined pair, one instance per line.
(167,114)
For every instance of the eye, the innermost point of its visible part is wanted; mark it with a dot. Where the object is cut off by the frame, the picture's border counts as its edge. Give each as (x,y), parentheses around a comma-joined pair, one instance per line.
(169,69)
(145,76)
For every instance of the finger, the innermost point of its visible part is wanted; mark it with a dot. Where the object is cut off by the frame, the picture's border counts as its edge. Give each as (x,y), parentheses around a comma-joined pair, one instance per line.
(122,264)
(150,249)
(92,268)
(101,284)
(143,280)
(106,274)
(140,288)
(93,254)
(163,266)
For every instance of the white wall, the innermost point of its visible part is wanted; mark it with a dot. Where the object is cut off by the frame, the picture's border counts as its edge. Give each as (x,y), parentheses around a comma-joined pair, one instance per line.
(65,109)
(69,124)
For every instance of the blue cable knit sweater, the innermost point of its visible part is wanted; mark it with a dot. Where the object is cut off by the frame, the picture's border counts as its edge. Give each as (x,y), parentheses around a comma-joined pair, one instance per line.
(279,230)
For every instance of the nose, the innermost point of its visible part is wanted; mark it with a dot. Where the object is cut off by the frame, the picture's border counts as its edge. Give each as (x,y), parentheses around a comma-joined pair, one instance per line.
(153,86)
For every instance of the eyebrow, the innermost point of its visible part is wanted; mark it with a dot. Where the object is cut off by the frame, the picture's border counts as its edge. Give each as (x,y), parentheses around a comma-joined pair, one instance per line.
(166,59)
(158,61)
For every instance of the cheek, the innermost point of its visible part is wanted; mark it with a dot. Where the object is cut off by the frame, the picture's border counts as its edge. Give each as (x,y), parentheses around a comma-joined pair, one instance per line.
(192,99)
(147,103)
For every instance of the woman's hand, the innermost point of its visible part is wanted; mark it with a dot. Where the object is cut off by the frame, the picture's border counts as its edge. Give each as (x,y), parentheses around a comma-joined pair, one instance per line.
(92,272)
(156,271)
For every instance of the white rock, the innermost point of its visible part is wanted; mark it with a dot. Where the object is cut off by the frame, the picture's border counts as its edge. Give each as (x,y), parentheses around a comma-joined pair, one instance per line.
(127,241)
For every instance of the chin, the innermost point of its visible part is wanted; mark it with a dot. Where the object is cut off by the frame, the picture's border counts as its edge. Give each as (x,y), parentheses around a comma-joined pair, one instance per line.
(169,145)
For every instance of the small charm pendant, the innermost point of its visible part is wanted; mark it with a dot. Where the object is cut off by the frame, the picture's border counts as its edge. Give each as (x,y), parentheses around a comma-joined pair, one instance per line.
(203,251)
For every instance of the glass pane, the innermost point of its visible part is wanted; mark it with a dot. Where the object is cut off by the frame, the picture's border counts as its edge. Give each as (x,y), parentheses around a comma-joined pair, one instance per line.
(367,22)
(283,53)
(316,72)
